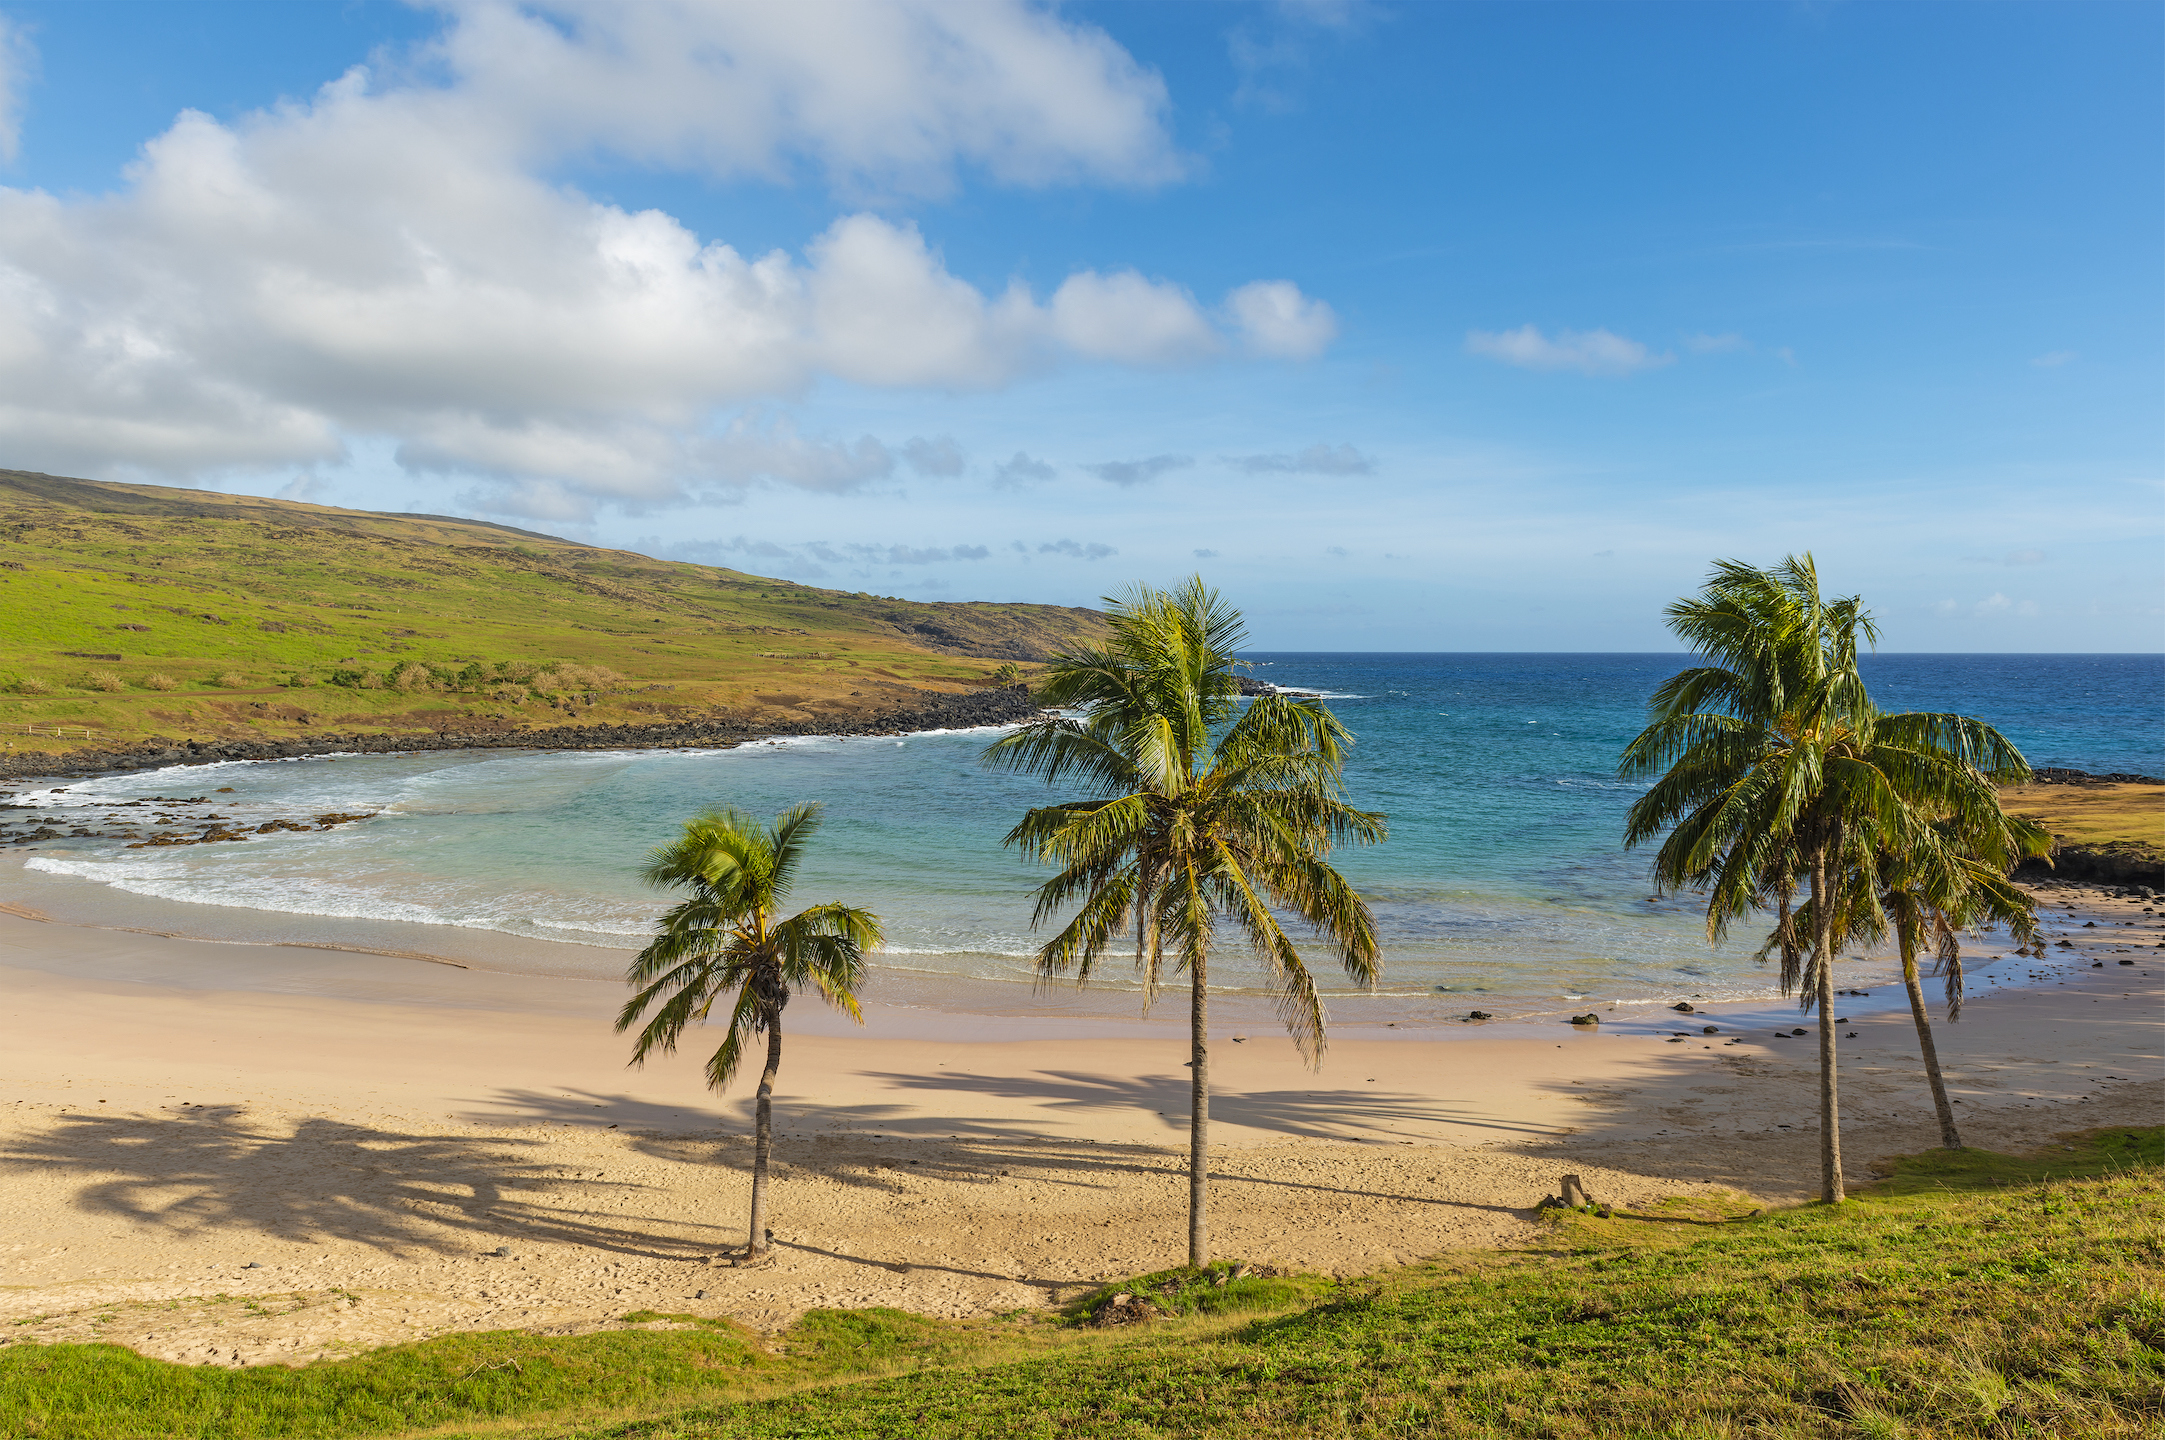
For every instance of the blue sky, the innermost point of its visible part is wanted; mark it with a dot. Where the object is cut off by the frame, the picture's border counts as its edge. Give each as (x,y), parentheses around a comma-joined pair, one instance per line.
(1430,327)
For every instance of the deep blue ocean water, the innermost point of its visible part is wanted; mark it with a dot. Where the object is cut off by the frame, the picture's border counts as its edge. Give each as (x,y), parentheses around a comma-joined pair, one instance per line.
(1503,881)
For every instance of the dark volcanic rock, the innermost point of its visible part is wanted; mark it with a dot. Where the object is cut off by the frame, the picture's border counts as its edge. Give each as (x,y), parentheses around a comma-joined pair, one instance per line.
(2055,775)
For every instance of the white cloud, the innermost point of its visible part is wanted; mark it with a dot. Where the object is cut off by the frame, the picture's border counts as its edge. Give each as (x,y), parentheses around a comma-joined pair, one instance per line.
(17,61)
(2053,359)
(1137,472)
(389,261)
(1276,320)
(1318,459)
(880,94)
(1590,352)
(1724,344)
(1126,318)
(1206,554)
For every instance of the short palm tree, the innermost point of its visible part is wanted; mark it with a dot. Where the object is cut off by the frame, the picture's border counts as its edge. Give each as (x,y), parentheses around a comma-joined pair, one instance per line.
(1199,817)
(1926,892)
(1765,761)
(725,942)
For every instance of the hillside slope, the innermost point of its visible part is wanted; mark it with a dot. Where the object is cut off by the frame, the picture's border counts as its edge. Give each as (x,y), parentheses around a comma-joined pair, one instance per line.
(131,610)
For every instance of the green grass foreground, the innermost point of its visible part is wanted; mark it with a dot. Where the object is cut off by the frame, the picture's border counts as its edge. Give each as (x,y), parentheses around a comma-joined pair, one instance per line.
(1972,1294)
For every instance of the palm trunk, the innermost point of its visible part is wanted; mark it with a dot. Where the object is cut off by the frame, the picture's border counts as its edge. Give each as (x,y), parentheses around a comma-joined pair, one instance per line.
(763,1136)
(1830,1115)
(1199,1114)
(1948,1135)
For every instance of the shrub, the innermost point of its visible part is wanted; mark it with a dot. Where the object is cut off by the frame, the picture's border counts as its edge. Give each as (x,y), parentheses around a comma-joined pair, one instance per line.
(233,680)
(350,679)
(160,681)
(298,681)
(103,680)
(413,676)
(31,685)
(508,694)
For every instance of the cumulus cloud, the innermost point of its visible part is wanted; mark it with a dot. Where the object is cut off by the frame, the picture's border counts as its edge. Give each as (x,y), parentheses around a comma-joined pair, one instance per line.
(1275,319)
(882,94)
(1070,548)
(1018,470)
(1127,318)
(1590,352)
(1137,472)
(391,261)
(16,62)
(1317,459)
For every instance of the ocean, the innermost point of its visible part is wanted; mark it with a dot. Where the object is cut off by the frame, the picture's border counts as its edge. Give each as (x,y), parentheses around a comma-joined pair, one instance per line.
(1503,885)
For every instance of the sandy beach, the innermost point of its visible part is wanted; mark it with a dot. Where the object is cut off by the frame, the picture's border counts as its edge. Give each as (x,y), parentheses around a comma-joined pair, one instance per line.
(231,1153)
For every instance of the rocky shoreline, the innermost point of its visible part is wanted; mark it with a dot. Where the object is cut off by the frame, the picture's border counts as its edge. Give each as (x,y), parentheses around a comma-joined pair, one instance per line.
(1007,706)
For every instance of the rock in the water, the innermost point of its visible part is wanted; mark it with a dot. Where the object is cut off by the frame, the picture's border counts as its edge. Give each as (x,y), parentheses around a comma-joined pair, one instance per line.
(1683,1007)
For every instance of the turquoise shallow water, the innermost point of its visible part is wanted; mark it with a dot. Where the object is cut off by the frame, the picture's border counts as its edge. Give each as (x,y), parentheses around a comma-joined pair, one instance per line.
(1503,884)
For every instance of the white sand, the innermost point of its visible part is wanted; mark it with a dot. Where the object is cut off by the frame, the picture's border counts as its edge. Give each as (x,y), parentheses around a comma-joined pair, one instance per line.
(364,1130)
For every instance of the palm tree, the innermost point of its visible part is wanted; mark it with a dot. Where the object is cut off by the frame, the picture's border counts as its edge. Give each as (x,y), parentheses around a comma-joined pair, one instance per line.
(1927,892)
(1197,819)
(725,942)
(1769,759)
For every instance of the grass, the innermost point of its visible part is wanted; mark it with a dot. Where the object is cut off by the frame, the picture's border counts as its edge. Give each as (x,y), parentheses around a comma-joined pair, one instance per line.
(231,615)
(1970,1294)
(2094,814)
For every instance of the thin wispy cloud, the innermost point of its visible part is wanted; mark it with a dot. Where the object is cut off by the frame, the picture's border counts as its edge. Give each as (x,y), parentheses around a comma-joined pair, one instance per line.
(1589,352)
(941,456)
(1075,550)
(2053,359)
(1138,472)
(1317,459)
(1021,469)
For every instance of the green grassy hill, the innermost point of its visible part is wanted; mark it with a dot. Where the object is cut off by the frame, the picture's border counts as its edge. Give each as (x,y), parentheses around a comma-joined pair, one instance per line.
(131,610)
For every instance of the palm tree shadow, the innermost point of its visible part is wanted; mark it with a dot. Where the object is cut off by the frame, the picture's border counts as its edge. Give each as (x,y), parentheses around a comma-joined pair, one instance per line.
(1373,1116)
(213,1170)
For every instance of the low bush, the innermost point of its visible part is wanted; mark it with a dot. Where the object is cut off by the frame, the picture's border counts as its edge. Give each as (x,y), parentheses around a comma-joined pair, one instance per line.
(104,680)
(160,681)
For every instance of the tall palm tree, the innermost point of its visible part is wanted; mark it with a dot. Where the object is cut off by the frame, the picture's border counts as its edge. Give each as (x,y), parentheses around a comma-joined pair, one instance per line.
(725,942)
(1199,816)
(1767,759)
